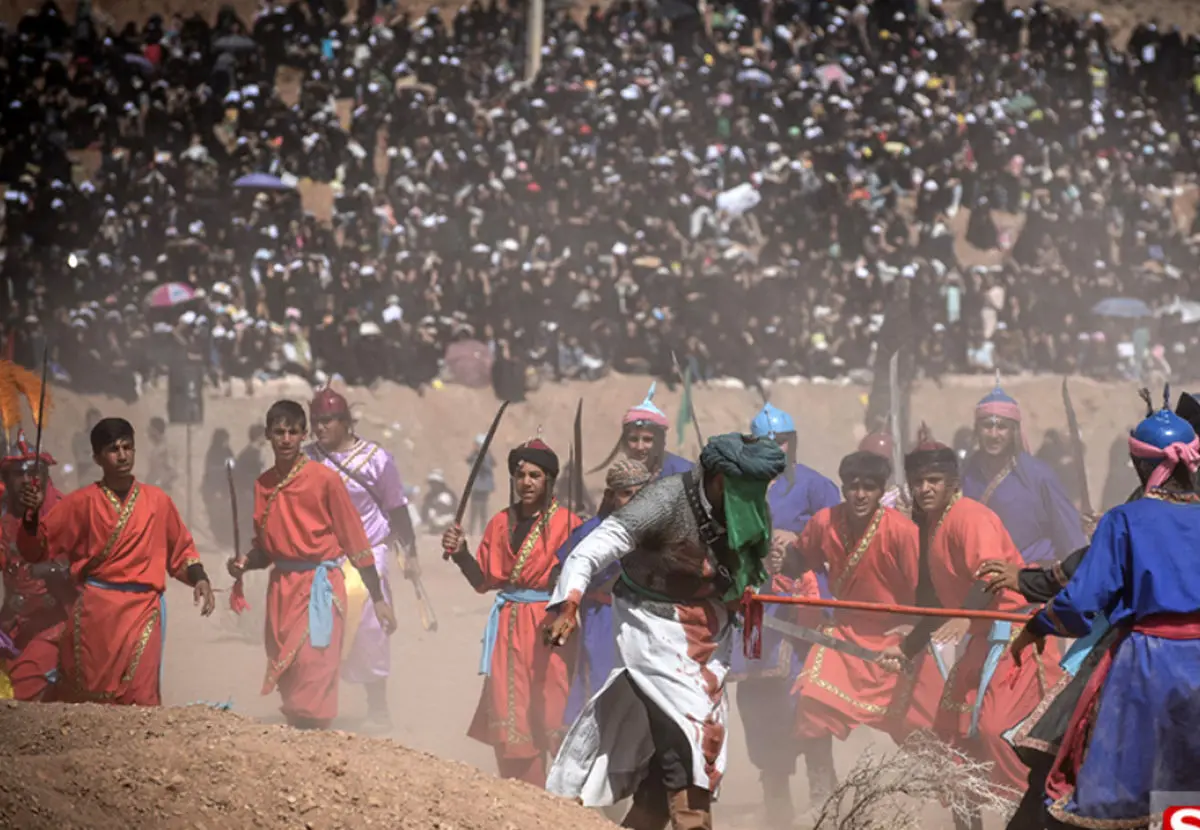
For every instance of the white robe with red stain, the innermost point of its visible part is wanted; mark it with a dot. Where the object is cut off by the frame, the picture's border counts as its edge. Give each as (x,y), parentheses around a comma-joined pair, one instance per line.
(679,662)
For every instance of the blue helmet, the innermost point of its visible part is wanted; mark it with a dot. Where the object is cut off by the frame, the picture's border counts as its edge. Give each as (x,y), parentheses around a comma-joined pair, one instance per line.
(771,421)
(1164,428)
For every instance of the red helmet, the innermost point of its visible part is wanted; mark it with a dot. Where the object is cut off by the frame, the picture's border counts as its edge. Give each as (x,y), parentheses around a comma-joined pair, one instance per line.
(328,404)
(877,443)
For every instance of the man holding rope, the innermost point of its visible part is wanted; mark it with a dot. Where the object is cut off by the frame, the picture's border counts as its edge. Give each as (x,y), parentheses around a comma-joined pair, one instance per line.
(1132,731)
(870,552)
(986,691)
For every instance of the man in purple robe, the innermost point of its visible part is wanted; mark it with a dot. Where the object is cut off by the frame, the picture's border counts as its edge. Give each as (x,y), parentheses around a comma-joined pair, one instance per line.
(373,482)
(764,686)
(1023,491)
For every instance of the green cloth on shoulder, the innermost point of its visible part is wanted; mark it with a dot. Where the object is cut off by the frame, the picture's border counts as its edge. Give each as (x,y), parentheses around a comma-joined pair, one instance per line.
(748,466)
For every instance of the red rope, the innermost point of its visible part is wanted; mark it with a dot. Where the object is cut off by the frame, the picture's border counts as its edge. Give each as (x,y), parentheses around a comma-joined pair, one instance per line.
(883,608)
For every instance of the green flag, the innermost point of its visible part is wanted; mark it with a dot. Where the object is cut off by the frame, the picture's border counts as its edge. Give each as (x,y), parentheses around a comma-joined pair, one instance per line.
(685,406)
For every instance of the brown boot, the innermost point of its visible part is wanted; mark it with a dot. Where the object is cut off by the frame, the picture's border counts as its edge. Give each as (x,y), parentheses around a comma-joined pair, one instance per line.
(691,809)
(649,810)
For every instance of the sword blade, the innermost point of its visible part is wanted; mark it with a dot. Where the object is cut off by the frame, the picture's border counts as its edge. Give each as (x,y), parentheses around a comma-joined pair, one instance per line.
(424,606)
(1077,449)
(233,506)
(577,485)
(483,451)
(894,417)
(820,638)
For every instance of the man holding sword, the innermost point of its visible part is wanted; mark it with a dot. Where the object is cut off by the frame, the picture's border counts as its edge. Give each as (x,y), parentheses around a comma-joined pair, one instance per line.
(305,527)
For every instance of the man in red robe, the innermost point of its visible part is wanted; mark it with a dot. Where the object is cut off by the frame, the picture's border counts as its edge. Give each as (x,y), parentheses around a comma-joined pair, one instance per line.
(520,711)
(985,693)
(869,552)
(304,524)
(123,539)
(36,597)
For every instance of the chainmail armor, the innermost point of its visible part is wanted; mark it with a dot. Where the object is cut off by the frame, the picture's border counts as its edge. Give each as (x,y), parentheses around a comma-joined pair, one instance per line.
(669,557)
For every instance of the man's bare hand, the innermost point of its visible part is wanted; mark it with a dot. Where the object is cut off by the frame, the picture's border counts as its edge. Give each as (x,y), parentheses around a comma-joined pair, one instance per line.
(31,496)
(951,633)
(202,595)
(1000,575)
(892,659)
(1022,641)
(386,617)
(558,628)
(453,540)
(236,566)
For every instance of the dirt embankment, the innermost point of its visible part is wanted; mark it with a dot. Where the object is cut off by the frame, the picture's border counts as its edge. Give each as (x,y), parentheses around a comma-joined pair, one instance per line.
(94,768)
(436,430)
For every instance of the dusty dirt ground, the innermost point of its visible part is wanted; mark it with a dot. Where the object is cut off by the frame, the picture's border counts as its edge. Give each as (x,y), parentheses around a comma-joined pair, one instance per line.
(435,687)
(90,767)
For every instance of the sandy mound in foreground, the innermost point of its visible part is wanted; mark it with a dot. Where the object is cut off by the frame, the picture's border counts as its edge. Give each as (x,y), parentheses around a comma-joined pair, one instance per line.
(100,767)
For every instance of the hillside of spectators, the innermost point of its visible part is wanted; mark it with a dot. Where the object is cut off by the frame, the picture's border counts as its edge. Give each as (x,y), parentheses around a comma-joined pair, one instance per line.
(764,190)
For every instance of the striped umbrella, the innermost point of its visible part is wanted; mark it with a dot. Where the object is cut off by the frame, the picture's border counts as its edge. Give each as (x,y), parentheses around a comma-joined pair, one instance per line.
(170,294)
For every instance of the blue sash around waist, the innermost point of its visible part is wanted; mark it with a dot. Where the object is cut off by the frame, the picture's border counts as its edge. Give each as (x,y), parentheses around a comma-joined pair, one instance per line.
(1080,649)
(136,588)
(523,596)
(320,597)
(998,639)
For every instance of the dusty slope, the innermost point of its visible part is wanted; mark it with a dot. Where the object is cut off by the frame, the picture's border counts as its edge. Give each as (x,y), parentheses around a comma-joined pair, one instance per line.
(102,767)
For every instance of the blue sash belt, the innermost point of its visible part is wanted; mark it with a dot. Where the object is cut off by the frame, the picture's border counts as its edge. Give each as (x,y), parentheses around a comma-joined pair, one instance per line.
(998,638)
(320,597)
(523,596)
(1080,649)
(136,588)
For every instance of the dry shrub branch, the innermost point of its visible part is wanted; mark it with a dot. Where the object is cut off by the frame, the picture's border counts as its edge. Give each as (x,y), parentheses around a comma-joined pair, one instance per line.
(888,791)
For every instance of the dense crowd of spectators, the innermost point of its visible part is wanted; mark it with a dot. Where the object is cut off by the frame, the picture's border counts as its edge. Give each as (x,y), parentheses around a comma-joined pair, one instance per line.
(762,189)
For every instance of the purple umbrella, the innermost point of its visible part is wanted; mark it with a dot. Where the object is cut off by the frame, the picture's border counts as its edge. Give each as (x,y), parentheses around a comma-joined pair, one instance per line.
(170,294)
(469,362)
(261,181)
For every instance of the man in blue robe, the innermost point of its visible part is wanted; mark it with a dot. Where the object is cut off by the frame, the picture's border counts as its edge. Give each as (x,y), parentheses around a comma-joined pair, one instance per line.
(1136,726)
(764,686)
(644,438)
(1023,491)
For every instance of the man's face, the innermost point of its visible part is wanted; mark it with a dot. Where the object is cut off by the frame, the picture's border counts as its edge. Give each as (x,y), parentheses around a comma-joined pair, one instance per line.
(862,496)
(117,458)
(995,435)
(639,441)
(286,438)
(932,491)
(331,432)
(620,498)
(530,483)
(16,476)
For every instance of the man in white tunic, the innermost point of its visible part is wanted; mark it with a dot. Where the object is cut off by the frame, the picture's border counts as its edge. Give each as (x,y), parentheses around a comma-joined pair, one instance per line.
(688,545)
